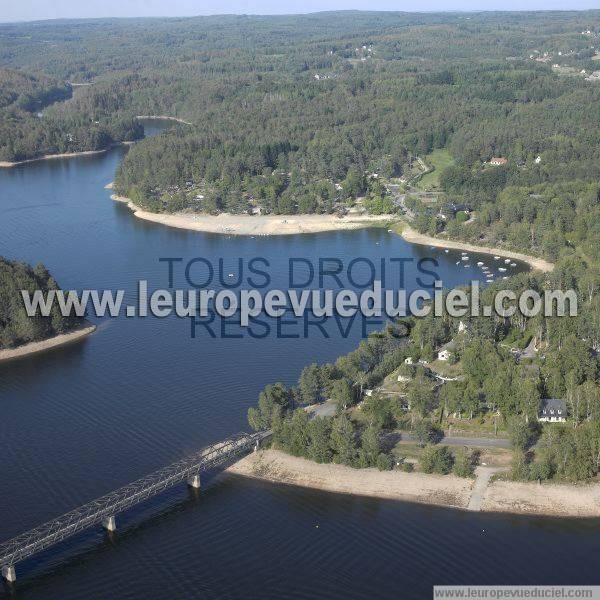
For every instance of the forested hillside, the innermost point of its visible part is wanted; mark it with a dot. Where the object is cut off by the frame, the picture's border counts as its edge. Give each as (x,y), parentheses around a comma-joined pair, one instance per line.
(30,126)
(483,127)
(16,327)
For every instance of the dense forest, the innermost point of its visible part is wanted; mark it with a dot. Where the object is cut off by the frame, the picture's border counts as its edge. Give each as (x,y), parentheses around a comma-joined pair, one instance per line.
(29,129)
(16,327)
(483,127)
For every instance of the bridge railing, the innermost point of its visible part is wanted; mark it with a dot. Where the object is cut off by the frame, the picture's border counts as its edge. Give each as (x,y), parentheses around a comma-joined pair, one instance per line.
(94,512)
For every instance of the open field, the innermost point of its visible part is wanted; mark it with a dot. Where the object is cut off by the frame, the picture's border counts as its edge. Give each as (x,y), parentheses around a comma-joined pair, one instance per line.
(439,160)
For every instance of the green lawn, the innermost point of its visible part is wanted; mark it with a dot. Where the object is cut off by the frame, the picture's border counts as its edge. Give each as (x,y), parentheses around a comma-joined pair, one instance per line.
(439,160)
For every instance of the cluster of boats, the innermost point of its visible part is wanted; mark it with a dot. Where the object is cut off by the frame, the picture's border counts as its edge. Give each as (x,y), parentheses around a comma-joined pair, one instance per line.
(486,270)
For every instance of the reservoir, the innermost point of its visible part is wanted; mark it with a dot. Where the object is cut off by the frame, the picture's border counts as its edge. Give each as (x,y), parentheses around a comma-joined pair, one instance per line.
(141,393)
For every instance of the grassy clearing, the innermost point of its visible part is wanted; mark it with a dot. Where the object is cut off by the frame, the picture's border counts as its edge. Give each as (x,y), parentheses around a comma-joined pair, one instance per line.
(445,369)
(482,426)
(439,160)
(566,71)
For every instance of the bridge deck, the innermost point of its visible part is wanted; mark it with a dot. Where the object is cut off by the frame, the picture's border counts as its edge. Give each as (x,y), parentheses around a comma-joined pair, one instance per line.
(92,513)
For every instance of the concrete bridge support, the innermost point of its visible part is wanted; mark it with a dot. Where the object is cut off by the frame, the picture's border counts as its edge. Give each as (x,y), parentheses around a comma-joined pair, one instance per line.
(194,481)
(9,574)
(109,524)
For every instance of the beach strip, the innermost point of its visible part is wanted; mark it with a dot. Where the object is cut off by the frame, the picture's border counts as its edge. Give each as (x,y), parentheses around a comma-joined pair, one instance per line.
(4,164)
(548,499)
(257,225)
(57,341)
(414,237)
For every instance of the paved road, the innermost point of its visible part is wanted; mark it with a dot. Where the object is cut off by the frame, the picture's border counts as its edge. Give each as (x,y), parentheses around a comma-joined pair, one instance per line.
(465,441)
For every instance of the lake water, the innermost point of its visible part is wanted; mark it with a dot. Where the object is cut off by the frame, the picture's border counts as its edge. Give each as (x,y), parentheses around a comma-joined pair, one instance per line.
(141,393)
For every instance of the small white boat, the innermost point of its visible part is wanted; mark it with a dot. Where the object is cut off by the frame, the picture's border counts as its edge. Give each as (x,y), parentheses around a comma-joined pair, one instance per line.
(480,264)
(390,231)
(496,258)
(467,266)
(458,262)
(513,264)
(464,258)
(501,269)
(507,261)
(230,275)
(446,251)
(489,281)
(505,277)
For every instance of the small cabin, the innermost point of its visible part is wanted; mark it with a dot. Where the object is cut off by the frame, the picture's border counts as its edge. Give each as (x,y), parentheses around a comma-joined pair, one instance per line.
(553,410)
(446,350)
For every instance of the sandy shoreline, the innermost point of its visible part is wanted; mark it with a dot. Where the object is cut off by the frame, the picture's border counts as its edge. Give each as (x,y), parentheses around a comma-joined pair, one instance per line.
(414,237)
(547,499)
(276,466)
(162,118)
(448,490)
(258,224)
(44,345)
(7,164)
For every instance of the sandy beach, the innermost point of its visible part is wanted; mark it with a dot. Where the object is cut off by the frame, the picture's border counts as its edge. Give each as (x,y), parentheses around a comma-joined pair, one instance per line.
(581,500)
(276,466)
(414,237)
(162,118)
(441,490)
(7,165)
(293,224)
(256,224)
(44,345)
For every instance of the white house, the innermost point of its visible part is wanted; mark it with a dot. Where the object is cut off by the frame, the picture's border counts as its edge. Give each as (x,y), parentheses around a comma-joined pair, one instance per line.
(538,160)
(553,410)
(446,350)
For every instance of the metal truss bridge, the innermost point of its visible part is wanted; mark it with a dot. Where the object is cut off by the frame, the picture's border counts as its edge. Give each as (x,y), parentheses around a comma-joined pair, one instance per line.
(103,510)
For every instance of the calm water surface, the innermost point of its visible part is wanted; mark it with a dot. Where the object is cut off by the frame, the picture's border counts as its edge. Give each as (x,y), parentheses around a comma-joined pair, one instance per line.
(140,393)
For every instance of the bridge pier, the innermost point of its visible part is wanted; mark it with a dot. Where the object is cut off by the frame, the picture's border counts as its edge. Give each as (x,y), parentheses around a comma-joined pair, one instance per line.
(194,481)
(109,524)
(9,574)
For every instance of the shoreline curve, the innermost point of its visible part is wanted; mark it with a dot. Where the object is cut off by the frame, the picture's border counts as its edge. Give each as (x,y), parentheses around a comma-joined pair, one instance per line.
(57,341)
(229,224)
(255,225)
(414,237)
(163,118)
(5,164)
(551,500)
